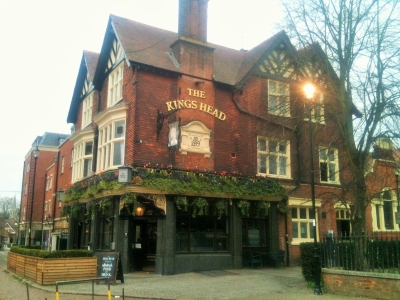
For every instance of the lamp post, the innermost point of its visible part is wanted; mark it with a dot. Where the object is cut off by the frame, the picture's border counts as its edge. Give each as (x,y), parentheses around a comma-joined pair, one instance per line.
(309,90)
(397,173)
(35,156)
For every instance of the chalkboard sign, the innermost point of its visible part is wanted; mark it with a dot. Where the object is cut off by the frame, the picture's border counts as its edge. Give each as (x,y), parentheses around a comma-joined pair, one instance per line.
(107,264)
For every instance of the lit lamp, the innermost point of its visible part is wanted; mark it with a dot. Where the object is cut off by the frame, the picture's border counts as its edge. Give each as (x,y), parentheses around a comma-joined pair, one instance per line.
(124,174)
(309,90)
(140,210)
(35,156)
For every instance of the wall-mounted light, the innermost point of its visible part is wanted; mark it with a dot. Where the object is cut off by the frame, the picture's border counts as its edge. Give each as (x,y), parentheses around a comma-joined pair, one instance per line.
(140,211)
(49,220)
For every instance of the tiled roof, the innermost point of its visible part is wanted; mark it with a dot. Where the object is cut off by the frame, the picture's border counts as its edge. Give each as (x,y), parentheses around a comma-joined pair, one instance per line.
(51,139)
(91,59)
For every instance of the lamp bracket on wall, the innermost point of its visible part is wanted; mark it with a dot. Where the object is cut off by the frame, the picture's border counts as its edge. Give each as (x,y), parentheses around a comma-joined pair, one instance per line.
(160,120)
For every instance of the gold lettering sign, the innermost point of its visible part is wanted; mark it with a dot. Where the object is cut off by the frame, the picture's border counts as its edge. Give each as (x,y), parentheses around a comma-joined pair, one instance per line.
(193,104)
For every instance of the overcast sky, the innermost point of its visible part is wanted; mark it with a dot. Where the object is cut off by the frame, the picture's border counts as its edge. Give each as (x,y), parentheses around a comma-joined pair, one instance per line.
(41,49)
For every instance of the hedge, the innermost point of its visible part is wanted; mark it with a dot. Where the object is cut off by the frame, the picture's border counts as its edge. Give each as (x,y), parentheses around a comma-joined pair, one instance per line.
(53,254)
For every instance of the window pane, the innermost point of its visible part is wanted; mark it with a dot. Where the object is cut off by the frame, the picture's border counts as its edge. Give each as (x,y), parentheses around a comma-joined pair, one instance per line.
(303,213)
(282,165)
(311,214)
(332,172)
(322,154)
(323,168)
(118,153)
(331,155)
(119,129)
(87,167)
(388,214)
(272,146)
(262,145)
(378,217)
(262,168)
(311,230)
(282,148)
(272,165)
(88,148)
(303,230)
(295,230)
(294,213)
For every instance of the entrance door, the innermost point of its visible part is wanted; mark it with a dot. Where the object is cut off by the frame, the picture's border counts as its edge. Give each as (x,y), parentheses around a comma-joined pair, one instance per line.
(143,235)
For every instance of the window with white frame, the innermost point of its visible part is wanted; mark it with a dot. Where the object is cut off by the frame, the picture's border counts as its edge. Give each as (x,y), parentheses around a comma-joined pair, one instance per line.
(47,183)
(278,98)
(26,189)
(62,164)
(87,107)
(82,160)
(384,212)
(302,224)
(317,108)
(273,157)
(115,81)
(111,150)
(328,165)
(51,182)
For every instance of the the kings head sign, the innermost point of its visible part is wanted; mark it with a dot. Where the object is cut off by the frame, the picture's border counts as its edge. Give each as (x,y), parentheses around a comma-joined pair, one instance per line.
(195,104)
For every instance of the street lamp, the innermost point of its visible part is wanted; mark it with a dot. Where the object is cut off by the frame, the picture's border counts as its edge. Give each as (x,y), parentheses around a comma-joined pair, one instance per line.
(309,89)
(35,156)
(397,173)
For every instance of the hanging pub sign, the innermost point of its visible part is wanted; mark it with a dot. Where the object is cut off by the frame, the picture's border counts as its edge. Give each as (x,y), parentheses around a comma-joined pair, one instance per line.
(173,134)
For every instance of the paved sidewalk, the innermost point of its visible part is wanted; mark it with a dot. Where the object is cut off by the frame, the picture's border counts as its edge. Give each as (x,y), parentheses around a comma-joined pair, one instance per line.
(255,284)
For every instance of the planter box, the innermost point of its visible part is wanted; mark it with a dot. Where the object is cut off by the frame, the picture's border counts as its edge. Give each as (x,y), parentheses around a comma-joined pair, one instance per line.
(49,270)
(361,284)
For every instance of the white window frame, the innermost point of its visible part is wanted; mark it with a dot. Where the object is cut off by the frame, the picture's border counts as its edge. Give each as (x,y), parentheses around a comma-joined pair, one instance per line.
(108,139)
(299,203)
(79,160)
(378,216)
(264,156)
(278,98)
(87,108)
(62,164)
(329,161)
(115,84)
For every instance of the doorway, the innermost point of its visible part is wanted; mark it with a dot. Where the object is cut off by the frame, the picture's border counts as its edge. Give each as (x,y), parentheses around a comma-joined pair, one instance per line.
(143,241)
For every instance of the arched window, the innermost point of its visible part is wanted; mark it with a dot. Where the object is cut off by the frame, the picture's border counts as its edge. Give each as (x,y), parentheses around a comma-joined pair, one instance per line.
(384,211)
(388,211)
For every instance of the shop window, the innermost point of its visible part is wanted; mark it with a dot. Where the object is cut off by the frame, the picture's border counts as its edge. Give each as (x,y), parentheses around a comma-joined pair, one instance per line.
(273,157)
(278,98)
(106,224)
(202,233)
(329,165)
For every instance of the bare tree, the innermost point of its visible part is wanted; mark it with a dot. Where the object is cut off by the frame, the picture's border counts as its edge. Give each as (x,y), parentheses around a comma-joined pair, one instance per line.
(361,41)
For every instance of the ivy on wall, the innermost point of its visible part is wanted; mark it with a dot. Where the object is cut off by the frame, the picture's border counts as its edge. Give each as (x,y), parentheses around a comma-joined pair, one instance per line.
(179,182)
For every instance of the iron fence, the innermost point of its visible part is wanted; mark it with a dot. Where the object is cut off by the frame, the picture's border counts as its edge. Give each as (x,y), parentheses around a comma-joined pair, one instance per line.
(377,252)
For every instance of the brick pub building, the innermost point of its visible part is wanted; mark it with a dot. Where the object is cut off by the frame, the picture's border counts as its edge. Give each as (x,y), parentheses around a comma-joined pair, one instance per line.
(172,103)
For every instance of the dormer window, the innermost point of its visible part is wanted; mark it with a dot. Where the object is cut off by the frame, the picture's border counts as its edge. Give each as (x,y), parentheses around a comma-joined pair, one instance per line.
(278,98)
(115,85)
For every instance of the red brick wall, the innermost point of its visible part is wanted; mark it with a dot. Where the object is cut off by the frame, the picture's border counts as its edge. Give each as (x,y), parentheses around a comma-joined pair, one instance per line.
(362,284)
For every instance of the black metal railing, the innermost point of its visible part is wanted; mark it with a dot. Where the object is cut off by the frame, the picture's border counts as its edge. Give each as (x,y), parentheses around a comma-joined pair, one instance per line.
(377,252)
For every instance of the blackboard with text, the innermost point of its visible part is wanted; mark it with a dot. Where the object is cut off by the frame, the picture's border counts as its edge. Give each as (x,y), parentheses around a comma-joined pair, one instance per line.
(107,264)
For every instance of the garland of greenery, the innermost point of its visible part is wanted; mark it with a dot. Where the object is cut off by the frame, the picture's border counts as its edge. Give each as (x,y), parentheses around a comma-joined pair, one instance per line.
(222,208)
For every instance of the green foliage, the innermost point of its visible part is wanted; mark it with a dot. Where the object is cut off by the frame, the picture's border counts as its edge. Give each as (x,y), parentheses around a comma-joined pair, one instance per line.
(53,254)
(307,260)
(199,207)
(222,208)
(181,203)
(130,203)
(244,207)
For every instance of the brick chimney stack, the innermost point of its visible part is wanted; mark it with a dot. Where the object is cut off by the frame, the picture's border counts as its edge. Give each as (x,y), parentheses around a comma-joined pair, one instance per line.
(193,19)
